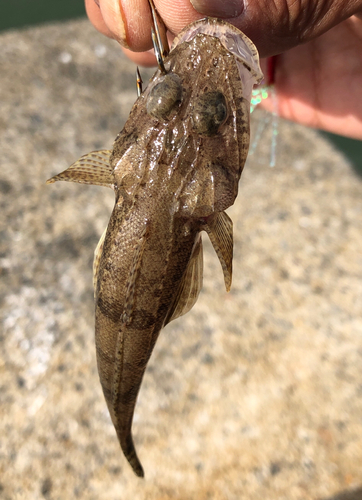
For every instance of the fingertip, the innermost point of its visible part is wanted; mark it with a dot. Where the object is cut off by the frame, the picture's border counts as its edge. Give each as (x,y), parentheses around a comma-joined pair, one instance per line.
(115,20)
(129,22)
(145,59)
(95,16)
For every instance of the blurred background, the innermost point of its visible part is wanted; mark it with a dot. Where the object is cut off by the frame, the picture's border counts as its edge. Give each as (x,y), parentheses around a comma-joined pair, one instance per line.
(20,13)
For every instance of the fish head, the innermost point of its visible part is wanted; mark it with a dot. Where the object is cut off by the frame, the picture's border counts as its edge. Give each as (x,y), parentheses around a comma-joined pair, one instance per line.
(196,116)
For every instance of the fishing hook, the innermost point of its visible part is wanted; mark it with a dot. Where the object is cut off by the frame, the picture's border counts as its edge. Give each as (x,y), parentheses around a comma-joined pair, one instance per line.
(159,38)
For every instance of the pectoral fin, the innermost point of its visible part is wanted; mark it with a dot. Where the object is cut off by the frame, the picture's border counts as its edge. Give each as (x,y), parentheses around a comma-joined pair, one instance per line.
(220,231)
(92,168)
(97,257)
(190,285)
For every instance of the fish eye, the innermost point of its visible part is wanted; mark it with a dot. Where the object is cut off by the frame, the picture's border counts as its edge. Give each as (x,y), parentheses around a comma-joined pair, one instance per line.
(164,96)
(209,112)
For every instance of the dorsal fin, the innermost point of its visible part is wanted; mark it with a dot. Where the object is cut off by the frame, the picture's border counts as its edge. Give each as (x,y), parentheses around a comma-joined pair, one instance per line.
(92,168)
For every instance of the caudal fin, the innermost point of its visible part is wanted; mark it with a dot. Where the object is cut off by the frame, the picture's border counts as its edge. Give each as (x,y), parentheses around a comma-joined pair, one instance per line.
(131,455)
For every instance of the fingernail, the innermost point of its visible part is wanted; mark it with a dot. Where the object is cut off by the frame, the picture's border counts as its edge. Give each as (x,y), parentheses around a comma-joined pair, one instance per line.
(114,18)
(217,8)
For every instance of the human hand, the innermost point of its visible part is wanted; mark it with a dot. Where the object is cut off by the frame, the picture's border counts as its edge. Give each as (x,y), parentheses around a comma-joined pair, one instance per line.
(318,76)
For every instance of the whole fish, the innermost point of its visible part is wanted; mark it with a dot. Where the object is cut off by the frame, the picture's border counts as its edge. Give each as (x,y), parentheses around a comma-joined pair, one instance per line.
(174,169)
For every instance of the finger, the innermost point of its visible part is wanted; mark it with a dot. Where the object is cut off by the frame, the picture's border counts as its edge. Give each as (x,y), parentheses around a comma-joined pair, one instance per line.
(276,26)
(96,18)
(146,59)
(129,22)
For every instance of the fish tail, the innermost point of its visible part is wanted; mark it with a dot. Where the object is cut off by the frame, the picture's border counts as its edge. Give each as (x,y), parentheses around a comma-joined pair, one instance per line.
(131,455)
(121,416)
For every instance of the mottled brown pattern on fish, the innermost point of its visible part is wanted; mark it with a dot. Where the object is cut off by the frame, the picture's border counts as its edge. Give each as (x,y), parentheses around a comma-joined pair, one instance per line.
(160,198)
(174,168)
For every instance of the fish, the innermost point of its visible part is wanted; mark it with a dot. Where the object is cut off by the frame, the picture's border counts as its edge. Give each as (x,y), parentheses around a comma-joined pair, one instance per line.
(175,169)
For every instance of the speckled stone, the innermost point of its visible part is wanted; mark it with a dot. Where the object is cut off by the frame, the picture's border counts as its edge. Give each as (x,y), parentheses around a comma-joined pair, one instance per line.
(255,394)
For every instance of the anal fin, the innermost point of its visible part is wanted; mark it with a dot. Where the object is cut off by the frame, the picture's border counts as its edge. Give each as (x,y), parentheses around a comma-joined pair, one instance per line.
(220,231)
(92,168)
(190,285)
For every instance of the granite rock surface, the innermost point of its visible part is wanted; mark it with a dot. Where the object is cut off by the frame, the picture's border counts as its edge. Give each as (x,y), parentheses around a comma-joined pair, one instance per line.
(255,394)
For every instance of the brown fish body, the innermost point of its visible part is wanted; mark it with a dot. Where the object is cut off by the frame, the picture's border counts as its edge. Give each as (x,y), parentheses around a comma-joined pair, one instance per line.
(175,168)
(143,261)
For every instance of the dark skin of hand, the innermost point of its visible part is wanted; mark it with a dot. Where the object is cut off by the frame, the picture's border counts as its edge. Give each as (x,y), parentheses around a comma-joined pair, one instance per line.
(319,45)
